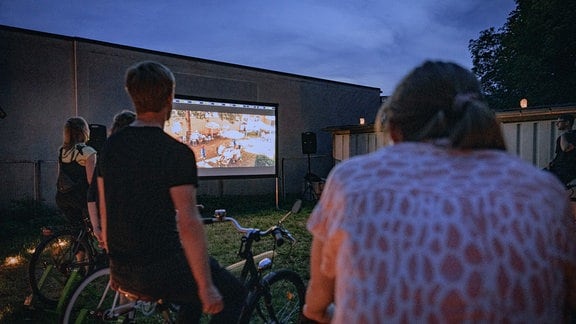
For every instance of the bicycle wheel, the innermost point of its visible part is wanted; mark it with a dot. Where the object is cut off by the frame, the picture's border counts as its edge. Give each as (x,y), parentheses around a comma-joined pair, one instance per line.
(52,263)
(280,299)
(94,301)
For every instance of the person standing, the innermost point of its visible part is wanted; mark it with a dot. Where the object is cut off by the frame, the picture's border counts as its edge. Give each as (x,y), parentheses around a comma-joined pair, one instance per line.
(444,225)
(76,162)
(203,152)
(150,222)
(563,165)
(120,120)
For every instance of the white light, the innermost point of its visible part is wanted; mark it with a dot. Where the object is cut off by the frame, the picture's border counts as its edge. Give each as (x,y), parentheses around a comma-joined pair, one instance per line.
(13,260)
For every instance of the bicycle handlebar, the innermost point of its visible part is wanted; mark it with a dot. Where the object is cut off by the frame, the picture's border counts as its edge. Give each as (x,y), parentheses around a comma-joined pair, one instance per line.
(279,233)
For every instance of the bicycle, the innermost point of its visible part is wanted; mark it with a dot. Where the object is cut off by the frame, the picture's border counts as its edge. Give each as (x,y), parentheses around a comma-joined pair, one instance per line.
(60,260)
(273,296)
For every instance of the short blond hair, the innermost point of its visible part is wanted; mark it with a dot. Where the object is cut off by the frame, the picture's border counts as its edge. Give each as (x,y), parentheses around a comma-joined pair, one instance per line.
(149,84)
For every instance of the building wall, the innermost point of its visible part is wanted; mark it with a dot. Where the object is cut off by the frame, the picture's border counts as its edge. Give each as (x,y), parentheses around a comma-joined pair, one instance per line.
(44,79)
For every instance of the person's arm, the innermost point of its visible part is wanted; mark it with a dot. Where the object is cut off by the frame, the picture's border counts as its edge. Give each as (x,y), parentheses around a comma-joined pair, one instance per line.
(93,208)
(565,144)
(320,291)
(193,238)
(95,220)
(570,275)
(90,166)
(102,211)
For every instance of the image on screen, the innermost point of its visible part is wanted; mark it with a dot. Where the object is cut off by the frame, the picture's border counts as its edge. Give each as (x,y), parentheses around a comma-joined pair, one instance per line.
(229,138)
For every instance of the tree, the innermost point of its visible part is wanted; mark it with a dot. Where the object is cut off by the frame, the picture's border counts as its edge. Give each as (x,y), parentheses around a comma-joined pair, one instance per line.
(532,56)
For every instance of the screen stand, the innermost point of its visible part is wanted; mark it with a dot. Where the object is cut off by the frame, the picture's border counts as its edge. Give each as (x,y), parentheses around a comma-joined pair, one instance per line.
(309,192)
(277,196)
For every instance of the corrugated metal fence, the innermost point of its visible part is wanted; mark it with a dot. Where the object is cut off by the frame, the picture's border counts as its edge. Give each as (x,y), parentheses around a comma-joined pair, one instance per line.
(529,133)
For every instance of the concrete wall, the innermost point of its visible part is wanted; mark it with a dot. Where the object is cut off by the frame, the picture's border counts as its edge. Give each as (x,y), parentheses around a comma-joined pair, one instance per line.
(44,79)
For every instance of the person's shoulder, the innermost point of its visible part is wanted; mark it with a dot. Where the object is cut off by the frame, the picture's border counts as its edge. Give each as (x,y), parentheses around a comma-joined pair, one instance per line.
(571,134)
(173,144)
(513,166)
(85,150)
(366,162)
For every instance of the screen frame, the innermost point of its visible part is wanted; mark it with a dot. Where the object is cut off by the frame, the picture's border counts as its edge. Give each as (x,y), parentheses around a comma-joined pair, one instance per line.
(242,108)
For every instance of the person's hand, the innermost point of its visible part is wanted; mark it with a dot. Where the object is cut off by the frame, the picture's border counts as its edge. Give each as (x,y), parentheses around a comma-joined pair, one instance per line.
(98,235)
(318,316)
(211,299)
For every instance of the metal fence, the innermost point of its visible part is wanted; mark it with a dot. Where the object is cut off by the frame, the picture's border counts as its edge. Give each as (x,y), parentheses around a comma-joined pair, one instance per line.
(28,179)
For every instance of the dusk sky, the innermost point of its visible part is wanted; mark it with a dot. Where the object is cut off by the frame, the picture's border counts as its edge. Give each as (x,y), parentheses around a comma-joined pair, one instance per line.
(366,42)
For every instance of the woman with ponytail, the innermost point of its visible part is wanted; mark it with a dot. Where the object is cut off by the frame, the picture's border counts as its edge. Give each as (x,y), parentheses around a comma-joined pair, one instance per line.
(443,225)
(76,165)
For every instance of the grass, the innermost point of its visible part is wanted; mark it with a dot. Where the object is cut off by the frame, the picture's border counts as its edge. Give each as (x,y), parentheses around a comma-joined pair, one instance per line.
(20,225)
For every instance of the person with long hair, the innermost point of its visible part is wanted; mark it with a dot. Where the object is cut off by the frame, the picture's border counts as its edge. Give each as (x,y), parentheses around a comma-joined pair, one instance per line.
(77,161)
(443,225)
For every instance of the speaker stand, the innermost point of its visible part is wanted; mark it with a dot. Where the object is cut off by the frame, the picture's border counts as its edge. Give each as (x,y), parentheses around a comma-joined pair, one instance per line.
(309,194)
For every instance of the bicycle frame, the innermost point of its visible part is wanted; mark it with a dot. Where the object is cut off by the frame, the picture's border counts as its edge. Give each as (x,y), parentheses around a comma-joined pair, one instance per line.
(251,275)
(56,257)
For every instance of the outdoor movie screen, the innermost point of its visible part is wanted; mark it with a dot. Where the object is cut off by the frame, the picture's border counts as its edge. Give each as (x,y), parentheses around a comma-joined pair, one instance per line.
(229,138)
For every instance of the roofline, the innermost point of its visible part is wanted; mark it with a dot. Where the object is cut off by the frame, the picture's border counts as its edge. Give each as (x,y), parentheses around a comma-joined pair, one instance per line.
(535,113)
(133,48)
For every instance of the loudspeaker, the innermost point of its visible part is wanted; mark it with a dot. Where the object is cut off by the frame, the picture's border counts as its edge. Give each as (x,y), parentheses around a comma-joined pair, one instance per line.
(309,143)
(97,136)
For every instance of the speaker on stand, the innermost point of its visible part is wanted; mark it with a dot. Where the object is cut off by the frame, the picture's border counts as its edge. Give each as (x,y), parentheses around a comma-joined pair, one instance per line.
(97,136)
(309,147)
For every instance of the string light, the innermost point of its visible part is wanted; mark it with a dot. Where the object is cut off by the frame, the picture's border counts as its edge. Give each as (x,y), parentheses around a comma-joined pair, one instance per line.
(13,261)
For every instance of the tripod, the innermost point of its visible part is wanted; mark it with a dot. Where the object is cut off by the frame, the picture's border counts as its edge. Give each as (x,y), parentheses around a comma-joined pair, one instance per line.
(309,192)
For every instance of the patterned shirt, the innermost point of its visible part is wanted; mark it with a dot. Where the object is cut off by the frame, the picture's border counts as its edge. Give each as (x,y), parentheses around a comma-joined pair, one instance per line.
(420,233)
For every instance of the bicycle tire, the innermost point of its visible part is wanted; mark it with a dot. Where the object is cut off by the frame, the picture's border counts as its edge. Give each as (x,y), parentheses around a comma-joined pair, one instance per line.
(92,300)
(52,263)
(278,299)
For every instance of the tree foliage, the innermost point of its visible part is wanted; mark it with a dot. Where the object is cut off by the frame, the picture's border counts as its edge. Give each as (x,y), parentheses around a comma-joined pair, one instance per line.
(532,56)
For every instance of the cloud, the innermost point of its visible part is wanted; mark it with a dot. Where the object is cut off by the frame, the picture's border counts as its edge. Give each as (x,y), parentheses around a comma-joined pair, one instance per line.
(367,42)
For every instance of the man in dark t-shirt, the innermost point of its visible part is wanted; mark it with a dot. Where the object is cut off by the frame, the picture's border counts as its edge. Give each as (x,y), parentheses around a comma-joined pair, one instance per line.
(563,165)
(150,223)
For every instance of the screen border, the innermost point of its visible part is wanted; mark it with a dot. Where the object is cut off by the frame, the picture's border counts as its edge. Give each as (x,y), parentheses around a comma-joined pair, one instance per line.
(236,173)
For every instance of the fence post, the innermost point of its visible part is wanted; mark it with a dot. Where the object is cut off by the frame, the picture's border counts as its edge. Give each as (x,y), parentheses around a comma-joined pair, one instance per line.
(38,181)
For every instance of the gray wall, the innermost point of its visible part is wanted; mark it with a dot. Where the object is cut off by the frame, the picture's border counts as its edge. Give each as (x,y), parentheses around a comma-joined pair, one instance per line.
(44,79)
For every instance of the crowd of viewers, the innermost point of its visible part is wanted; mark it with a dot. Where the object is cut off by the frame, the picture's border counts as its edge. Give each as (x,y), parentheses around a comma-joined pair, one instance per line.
(439,225)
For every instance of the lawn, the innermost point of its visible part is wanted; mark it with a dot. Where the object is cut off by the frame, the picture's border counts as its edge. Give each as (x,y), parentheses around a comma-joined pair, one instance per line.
(20,225)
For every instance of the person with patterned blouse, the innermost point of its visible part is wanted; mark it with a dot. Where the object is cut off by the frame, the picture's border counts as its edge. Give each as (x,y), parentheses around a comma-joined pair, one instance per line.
(442,226)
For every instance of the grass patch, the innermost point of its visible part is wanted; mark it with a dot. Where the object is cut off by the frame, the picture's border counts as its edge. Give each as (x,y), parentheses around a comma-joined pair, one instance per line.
(224,240)
(20,225)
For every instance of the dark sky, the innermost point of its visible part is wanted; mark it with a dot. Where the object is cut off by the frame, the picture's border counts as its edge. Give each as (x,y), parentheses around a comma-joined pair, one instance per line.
(366,42)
